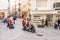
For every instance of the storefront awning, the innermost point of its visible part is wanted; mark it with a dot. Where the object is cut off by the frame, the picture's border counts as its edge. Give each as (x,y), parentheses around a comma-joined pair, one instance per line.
(44,12)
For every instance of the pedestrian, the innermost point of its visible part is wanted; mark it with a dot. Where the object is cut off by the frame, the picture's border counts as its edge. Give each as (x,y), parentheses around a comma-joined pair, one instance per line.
(31,27)
(55,23)
(42,22)
(9,20)
(14,19)
(24,25)
(33,30)
(22,15)
(24,18)
(10,25)
(59,23)
(27,22)
(46,22)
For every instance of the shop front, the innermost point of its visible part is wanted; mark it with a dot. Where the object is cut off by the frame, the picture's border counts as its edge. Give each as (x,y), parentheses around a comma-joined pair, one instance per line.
(37,17)
(3,14)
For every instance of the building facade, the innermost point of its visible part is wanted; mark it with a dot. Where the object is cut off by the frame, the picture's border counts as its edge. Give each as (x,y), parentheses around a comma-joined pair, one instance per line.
(43,9)
(3,13)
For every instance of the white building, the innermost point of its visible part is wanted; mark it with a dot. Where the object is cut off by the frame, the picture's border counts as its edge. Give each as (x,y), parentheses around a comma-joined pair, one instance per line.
(43,9)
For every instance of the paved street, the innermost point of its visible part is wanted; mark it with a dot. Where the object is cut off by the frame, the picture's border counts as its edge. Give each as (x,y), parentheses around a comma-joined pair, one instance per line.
(18,34)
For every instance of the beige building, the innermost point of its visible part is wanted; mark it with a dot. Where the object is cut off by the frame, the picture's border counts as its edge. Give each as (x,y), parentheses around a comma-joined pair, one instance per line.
(4,13)
(43,9)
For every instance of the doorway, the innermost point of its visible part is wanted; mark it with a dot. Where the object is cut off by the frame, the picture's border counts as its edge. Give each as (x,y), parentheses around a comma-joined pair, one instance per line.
(50,19)
(2,14)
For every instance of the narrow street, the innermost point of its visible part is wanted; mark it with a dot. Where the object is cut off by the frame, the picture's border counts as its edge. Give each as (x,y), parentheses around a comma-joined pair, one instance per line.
(18,34)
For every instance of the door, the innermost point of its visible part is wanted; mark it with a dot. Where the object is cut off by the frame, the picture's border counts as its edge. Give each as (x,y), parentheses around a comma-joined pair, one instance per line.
(49,18)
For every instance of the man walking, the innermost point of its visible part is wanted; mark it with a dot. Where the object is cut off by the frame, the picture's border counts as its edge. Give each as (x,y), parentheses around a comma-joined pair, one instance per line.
(14,18)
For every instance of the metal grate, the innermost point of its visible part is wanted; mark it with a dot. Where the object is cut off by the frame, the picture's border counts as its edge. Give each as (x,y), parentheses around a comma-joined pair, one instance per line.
(39,35)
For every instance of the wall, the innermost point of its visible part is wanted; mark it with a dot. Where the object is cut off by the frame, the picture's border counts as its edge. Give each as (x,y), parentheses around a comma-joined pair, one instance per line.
(3,4)
(33,4)
(47,5)
(41,4)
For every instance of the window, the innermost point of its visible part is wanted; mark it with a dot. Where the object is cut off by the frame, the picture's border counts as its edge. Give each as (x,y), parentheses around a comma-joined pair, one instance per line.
(49,17)
(41,3)
(56,4)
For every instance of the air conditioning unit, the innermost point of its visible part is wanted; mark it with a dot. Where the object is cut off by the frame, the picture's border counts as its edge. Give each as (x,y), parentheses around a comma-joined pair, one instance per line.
(56,6)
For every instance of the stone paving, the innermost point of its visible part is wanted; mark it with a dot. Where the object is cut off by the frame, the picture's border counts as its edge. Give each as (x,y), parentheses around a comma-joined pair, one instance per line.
(49,33)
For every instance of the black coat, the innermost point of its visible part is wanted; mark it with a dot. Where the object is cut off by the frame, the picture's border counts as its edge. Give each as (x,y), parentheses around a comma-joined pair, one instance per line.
(58,21)
(46,22)
(15,17)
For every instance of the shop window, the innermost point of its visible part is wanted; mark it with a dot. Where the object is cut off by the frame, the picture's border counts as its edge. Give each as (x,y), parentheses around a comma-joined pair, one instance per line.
(3,14)
(37,18)
(49,17)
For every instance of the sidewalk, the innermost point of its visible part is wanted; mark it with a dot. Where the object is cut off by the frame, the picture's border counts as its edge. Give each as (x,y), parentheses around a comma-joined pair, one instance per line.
(18,34)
